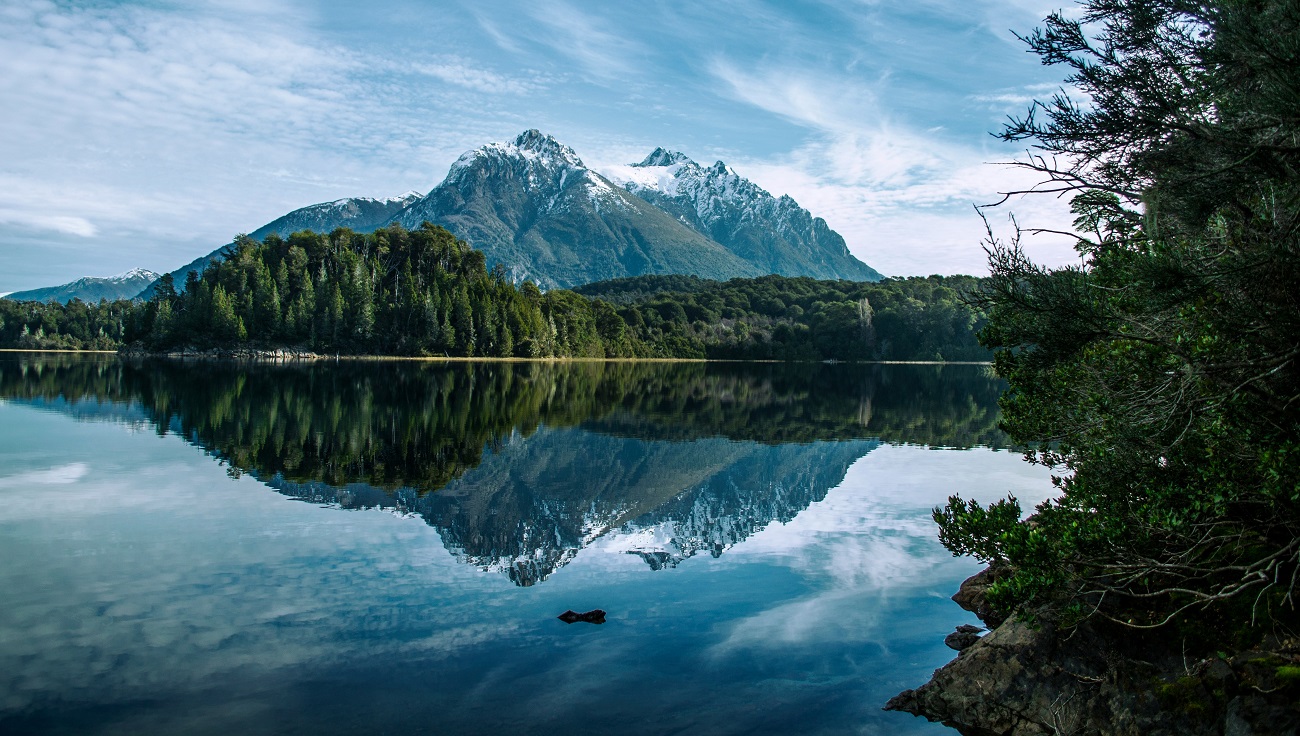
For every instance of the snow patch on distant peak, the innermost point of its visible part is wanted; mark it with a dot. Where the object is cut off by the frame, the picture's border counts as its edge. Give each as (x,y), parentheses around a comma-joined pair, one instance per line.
(135,273)
(664,157)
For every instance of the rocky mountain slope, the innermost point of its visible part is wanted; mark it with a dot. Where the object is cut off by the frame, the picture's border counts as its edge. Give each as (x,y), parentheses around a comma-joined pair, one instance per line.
(533,206)
(90,290)
(775,234)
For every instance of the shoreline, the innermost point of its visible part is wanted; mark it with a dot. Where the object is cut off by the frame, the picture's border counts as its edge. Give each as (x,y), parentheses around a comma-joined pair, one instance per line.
(1023,679)
(281,355)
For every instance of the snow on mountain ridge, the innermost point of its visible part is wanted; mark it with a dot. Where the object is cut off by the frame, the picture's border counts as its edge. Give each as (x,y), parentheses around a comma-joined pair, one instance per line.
(538,152)
(675,175)
(135,273)
(774,233)
(544,164)
(410,195)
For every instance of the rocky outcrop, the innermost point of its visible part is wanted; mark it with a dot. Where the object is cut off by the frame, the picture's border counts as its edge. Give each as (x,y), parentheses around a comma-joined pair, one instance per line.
(963,638)
(1032,680)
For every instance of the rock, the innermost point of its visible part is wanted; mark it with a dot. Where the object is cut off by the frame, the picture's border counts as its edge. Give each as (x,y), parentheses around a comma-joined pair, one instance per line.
(963,637)
(1033,680)
(972,595)
(592,617)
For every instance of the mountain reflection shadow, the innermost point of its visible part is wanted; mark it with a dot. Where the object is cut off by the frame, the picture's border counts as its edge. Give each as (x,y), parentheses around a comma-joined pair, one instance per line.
(522,465)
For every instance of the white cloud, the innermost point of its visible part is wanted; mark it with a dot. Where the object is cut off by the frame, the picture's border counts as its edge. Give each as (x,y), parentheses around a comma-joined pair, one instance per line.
(68,224)
(902,198)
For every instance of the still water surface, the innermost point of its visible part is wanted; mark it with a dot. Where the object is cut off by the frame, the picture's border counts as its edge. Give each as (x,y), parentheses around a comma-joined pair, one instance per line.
(383,548)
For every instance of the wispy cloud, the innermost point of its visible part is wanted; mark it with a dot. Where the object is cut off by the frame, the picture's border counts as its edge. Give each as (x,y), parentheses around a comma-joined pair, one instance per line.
(581,36)
(902,197)
(463,74)
(149,119)
(69,225)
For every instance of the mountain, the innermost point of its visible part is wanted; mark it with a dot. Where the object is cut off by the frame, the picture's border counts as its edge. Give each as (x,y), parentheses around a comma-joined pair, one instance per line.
(362,214)
(91,290)
(775,234)
(533,206)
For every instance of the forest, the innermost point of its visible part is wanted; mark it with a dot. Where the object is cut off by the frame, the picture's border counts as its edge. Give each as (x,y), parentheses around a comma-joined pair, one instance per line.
(425,293)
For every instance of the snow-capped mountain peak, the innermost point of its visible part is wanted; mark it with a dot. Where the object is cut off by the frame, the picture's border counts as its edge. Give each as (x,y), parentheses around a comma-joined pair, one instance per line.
(672,174)
(353,202)
(535,151)
(135,273)
(533,142)
(774,233)
(664,157)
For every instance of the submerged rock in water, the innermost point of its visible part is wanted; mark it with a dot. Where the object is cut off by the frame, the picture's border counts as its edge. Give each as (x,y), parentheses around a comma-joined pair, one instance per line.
(592,617)
(1034,680)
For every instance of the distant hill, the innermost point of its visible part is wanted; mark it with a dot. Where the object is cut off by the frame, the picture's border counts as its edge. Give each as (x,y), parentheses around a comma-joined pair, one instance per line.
(362,214)
(89,289)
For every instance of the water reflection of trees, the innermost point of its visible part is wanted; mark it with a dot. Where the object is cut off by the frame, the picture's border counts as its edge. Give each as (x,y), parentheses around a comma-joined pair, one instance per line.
(418,425)
(685,458)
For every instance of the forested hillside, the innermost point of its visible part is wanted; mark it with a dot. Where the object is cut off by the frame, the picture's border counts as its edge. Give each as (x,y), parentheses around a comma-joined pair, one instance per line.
(783,318)
(424,293)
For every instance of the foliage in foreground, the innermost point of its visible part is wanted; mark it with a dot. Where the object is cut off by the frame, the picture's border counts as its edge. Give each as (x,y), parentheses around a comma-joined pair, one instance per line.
(1160,377)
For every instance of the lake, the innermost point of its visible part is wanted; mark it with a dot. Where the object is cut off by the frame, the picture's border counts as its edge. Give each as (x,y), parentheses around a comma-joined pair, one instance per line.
(385,547)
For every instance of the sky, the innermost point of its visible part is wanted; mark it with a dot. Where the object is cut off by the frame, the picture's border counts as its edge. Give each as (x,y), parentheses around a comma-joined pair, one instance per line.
(146,134)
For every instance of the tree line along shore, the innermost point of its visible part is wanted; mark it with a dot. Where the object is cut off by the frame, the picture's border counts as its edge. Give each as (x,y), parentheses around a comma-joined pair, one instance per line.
(424,293)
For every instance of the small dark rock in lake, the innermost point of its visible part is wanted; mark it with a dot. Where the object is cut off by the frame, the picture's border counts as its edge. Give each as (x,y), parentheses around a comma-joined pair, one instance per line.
(592,617)
(964,636)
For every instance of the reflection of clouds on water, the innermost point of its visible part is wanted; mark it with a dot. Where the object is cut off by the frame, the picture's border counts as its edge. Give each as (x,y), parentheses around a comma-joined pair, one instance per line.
(59,475)
(872,540)
(115,590)
(154,576)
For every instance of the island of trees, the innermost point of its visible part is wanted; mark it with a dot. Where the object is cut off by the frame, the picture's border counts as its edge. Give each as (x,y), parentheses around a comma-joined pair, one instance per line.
(425,293)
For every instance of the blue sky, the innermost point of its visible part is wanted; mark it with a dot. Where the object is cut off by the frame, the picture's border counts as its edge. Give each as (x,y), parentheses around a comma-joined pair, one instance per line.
(145,134)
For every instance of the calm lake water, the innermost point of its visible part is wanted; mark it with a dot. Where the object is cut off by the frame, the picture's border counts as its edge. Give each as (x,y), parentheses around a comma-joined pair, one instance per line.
(384,548)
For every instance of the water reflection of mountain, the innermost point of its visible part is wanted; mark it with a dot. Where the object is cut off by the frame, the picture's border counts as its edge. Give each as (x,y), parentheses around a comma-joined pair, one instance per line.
(532,505)
(519,466)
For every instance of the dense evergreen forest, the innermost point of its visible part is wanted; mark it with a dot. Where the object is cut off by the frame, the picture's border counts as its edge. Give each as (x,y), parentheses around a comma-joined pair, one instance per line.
(425,293)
